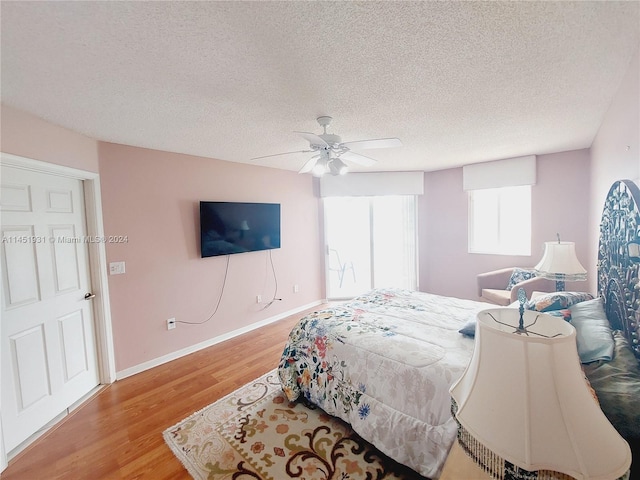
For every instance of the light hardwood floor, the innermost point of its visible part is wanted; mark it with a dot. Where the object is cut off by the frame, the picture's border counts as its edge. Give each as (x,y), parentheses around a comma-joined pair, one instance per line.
(117,434)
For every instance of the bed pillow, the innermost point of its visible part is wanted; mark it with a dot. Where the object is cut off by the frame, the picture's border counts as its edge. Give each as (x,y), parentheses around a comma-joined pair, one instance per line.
(557,301)
(469,328)
(563,313)
(593,331)
(519,275)
(617,384)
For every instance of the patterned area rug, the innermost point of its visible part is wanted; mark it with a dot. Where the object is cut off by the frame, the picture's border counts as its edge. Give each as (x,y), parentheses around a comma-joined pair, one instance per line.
(256,433)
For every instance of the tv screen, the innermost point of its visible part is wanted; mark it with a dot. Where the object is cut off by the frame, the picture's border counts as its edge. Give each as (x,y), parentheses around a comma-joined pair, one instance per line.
(236,227)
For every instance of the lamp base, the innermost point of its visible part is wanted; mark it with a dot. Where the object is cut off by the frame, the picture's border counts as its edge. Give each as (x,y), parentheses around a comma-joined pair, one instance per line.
(560,286)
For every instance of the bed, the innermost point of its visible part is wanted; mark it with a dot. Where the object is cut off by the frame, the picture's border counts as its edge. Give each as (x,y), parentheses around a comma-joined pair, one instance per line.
(384,362)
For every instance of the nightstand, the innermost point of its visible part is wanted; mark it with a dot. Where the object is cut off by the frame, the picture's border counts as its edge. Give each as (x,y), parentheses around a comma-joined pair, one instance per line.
(460,466)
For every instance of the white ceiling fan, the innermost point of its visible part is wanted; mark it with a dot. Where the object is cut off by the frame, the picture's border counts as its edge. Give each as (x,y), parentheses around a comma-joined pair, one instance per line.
(330,151)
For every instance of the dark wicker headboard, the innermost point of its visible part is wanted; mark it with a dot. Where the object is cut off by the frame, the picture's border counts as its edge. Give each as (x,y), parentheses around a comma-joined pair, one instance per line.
(618,283)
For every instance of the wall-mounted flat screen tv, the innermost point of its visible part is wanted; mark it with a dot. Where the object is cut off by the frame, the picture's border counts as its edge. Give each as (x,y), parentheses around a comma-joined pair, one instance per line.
(236,227)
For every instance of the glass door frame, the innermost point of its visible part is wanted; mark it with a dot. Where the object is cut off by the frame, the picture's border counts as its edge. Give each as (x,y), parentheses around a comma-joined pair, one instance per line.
(326,249)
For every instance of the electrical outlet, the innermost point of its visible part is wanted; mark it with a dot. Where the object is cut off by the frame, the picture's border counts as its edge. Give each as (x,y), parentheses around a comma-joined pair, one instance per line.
(171,323)
(258,298)
(296,288)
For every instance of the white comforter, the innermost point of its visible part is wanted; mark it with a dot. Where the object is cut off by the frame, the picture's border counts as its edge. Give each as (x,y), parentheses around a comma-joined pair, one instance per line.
(384,363)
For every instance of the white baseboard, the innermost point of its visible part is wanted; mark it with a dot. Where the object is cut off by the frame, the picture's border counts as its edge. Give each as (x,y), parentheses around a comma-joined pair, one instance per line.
(127,372)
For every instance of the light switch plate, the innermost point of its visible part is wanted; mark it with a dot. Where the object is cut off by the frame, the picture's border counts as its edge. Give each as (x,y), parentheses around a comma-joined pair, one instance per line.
(116,268)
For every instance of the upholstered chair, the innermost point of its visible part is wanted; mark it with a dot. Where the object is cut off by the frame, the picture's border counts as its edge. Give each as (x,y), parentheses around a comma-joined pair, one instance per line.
(501,286)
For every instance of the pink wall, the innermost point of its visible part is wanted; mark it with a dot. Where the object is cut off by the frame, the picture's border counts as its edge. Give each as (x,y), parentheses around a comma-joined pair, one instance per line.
(31,137)
(615,152)
(152,197)
(560,202)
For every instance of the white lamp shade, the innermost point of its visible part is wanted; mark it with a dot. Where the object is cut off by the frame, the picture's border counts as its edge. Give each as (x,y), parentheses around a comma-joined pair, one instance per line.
(559,262)
(525,398)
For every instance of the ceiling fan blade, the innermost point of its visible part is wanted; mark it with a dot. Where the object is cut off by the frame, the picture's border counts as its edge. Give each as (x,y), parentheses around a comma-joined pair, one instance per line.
(313,139)
(309,164)
(357,158)
(375,143)
(278,154)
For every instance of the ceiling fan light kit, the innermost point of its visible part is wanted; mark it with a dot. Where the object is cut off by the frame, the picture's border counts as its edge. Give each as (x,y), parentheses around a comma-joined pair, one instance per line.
(337,167)
(330,151)
(321,167)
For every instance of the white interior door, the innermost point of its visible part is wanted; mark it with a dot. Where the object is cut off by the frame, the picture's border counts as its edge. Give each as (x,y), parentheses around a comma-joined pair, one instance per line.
(47,331)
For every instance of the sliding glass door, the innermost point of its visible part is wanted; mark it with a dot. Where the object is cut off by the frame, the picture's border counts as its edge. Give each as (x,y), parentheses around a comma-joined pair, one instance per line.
(370,242)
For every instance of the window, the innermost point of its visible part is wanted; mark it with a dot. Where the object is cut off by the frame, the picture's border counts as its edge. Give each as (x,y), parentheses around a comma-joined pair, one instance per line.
(500,220)
(370,243)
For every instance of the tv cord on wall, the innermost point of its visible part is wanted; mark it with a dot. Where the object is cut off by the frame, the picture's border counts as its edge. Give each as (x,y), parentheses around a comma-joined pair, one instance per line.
(275,279)
(224,283)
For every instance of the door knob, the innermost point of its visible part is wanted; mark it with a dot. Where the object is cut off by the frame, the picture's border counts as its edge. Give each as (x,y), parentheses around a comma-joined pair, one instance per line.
(89,296)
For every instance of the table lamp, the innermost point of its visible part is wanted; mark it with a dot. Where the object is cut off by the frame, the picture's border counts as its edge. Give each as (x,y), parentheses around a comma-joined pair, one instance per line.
(524,408)
(560,263)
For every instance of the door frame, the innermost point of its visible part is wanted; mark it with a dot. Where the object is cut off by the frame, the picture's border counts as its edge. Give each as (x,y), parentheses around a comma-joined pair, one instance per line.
(371,207)
(97,263)
(326,249)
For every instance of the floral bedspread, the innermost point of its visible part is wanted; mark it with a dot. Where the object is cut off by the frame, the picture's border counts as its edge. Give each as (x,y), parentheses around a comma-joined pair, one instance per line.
(384,362)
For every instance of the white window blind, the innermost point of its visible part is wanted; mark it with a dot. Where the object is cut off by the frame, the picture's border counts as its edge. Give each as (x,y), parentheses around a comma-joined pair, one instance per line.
(511,172)
(372,184)
(500,205)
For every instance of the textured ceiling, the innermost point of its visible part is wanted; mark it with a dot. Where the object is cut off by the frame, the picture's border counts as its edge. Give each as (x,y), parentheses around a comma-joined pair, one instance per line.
(457,82)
